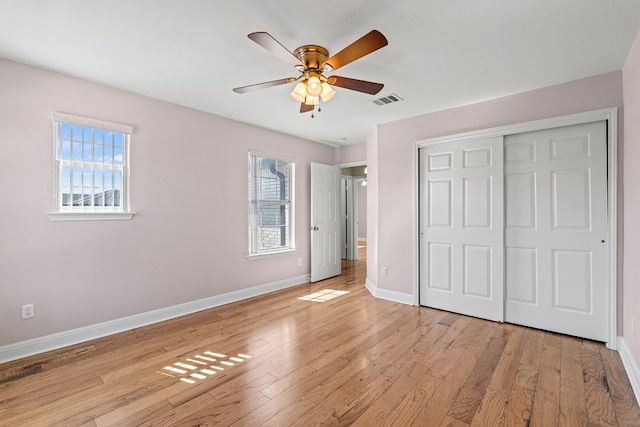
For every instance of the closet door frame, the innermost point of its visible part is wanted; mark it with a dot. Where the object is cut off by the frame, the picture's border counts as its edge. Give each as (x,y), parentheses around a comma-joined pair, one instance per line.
(610,115)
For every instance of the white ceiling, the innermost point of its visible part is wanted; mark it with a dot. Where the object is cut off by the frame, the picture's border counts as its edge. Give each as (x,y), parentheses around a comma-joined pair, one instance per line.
(441,53)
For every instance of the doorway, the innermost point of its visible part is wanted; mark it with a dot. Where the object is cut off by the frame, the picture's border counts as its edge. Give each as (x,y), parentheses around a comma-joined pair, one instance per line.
(354,210)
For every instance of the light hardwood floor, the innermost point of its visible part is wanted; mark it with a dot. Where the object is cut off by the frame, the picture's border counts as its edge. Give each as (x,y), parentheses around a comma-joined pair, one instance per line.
(351,360)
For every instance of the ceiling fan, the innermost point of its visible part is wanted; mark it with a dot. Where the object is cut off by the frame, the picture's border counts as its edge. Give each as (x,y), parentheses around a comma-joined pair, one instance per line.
(312,61)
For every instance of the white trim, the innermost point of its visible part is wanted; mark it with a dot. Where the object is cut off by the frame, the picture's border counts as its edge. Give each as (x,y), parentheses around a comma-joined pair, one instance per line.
(92,123)
(370,286)
(630,365)
(63,339)
(272,156)
(253,181)
(550,123)
(608,114)
(394,296)
(416,223)
(352,164)
(272,254)
(63,213)
(612,209)
(89,216)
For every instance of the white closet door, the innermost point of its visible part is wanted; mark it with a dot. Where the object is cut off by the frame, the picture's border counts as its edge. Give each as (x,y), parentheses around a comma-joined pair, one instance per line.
(555,230)
(461,227)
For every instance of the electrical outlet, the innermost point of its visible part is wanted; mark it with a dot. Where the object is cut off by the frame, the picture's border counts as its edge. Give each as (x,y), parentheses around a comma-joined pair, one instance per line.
(384,271)
(28,311)
(299,261)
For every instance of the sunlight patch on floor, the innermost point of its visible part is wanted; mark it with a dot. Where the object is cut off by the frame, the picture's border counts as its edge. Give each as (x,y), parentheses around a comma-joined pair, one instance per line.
(201,367)
(323,295)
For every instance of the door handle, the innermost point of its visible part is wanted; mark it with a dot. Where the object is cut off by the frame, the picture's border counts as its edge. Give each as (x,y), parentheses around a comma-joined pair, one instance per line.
(314,229)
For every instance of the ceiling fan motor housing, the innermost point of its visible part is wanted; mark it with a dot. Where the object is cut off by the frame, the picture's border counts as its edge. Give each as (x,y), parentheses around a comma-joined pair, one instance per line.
(312,56)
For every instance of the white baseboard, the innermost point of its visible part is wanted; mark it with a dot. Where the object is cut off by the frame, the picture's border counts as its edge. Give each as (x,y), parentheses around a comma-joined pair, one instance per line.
(630,366)
(394,296)
(87,333)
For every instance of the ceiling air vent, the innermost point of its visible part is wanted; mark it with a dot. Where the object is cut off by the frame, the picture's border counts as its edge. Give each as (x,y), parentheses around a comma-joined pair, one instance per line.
(389,99)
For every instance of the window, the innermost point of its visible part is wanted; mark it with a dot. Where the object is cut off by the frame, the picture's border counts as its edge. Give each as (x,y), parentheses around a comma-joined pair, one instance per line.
(270,205)
(91,167)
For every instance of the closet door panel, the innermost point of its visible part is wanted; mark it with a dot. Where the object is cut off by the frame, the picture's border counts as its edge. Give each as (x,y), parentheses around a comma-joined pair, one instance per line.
(461,227)
(556,211)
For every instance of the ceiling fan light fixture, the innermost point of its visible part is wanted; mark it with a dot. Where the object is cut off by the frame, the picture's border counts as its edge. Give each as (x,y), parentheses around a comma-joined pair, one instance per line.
(314,86)
(312,61)
(327,92)
(312,100)
(299,93)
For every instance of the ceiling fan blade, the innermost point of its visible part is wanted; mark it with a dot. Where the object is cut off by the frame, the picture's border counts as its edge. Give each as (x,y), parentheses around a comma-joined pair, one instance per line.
(368,43)
(354,84)
(272,45)
(304,108)
(251,88)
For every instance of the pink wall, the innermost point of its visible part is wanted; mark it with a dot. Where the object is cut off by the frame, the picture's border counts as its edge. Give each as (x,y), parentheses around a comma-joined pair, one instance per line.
(631,159)
(188,240)
(393,152)
(352,153)
(372,208)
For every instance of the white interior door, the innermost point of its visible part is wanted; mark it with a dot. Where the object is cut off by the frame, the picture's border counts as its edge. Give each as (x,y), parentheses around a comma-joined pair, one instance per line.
(325,222)
(461,228)
(555,230)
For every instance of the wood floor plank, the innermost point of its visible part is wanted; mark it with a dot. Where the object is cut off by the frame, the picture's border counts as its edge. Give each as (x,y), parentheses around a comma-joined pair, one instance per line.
(15,406)
(448,359)
(599,405)
(435,411)
(353,360)
(573,411)
(284,400)
(324,412)
(453,422)
(491,409)
(285,383)
(546,404)
(624,401)
(470,396)
(420,391)
(128,408)
(367,396)
(390,398)
(159,411)
(416,353)
(507,367)
(289,413)
(230,411)
(517,411)
(520,400)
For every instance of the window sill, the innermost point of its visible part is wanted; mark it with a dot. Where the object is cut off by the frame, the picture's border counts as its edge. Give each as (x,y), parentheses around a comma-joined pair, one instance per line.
(288,251)
(89,216)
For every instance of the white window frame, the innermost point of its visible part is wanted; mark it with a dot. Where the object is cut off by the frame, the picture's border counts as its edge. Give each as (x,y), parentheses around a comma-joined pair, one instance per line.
(72,213)
(253,204)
